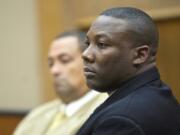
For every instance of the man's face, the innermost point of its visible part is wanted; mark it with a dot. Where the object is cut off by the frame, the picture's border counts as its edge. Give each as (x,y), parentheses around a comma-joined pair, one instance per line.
(66,67)
(109,55)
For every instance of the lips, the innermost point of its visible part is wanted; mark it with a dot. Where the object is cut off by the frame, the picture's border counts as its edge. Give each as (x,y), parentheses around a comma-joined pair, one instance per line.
(89,72)
(87,69)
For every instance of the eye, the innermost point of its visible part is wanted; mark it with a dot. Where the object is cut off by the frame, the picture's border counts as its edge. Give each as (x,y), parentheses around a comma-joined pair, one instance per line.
(102,45)
(87,43)
(65,59)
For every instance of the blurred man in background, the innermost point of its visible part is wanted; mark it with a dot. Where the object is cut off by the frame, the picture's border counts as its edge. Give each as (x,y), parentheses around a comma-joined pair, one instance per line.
(64,116)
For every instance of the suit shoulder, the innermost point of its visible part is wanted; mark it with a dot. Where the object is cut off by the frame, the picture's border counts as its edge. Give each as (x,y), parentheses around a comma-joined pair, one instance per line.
(42,109)
(119,125)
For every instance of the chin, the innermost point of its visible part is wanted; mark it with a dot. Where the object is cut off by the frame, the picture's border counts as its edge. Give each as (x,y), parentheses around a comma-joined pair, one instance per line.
(97,87)
(62,92)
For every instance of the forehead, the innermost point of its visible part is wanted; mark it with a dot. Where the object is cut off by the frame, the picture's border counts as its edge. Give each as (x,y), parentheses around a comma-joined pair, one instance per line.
(68,45)
(107,25)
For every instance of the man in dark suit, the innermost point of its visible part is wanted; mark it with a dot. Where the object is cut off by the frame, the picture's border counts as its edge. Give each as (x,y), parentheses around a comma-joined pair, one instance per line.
(120,59)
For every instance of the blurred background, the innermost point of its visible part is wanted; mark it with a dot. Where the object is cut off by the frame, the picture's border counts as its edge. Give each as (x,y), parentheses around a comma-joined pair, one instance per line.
(27,27)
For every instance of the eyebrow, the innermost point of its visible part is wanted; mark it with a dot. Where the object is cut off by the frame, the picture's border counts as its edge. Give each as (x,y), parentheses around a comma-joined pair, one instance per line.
(100,35)
(60,55)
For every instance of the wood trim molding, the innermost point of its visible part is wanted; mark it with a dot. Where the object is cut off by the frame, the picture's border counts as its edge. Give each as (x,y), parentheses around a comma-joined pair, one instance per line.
(156,14)
(165,13)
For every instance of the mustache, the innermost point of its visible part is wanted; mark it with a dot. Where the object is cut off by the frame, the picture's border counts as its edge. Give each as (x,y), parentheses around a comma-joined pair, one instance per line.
(60,80)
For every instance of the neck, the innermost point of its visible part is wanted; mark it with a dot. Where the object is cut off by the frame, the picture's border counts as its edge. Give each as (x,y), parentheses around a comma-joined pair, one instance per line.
(139,71)
(145,68)
(73,97)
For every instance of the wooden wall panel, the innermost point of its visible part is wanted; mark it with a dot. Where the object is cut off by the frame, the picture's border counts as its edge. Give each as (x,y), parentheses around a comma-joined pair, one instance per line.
(168,59)
(9,121)
(85,8)
(8,124)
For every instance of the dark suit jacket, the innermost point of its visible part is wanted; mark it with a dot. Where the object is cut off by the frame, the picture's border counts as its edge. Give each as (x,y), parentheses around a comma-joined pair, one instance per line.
(141,106)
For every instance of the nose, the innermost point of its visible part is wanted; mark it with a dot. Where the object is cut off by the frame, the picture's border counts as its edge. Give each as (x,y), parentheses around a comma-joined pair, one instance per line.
(88,55)
(55,70)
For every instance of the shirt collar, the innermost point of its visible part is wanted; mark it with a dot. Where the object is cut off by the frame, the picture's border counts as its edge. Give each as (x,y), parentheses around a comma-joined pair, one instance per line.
(74,106)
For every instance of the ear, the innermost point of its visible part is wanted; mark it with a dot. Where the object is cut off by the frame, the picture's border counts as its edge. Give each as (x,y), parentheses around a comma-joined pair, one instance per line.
(141,54)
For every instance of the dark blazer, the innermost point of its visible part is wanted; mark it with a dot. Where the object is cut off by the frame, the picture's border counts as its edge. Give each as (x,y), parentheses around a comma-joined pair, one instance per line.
(143,105)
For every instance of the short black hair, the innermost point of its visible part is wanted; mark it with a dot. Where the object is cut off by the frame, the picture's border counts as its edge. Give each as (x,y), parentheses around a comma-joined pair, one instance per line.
(75,33)
(141,24)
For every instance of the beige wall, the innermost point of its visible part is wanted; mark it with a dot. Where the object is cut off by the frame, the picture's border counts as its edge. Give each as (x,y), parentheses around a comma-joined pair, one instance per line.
(20,86)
